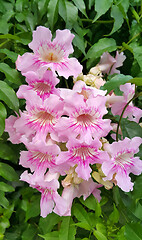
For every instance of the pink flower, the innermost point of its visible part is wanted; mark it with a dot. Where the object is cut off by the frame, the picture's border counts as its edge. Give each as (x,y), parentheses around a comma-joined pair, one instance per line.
(15,135)
(85,189)
(41,116)
(133,113)
(40,156)
(122,162)
(47,54)
(43,86)
(108,64)
(50,199)
(81,154)
(85,118)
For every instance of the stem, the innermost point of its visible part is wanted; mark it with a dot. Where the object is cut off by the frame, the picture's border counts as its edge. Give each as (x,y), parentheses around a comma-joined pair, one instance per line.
(67,86)
(135,96)
(1,45)
(98,21)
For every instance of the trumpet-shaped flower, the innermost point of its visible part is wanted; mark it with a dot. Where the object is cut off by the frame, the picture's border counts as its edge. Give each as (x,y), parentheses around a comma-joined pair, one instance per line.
(41,116)
(133,113)
(85,118)
(50,54)
(50,199)
(81,154)
(122,162)
(40,156)
(42,85)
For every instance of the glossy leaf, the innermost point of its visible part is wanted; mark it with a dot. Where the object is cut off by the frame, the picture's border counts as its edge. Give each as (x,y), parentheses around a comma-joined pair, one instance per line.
(8,95)
(101,7)
(3,200)
(81,6)
(5,187)
(103,45)
(11,74)
(8,172)
(99,235)
(51,236)
(133,231)
(52,13)
(62,9)
(115,82)
(67,230)
(72,14)
(118,18)
(3,114)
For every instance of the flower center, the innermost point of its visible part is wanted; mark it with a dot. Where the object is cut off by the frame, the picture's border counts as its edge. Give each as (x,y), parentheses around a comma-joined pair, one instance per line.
(83,152)
(123,159)
(51,53)
(41,157)
(85,119)
(42,87)
(43,118)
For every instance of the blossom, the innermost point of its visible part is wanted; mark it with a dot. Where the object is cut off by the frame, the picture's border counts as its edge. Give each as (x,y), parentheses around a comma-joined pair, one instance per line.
(41,116)
(122,162)
(43,85)
(81,154)
(50,199)
(85,118)
(133,113)
(50,54)
(108,64)
(40,156)
(77,187)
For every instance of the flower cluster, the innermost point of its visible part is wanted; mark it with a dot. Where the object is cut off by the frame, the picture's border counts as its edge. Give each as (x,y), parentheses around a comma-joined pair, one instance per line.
(63,129)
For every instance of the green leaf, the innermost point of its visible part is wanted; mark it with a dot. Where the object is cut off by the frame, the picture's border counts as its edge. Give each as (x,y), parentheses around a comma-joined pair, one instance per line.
(8,172)
(4,26)
(130,129)
(4,223)
(33,208)
(80,213)
(67,230)
(99,235)
(101,7)
(84,225)
(137,192)
(52,13)
(6,152)
(136,80)
(8,95)
(47,224)
(78,41)
(5,187)
(103,45)
(81,6)
(115,82)
(133,231)
(51,236)
(12,55)
(10,36)
(11,74)
(29,233)
(137,50)
(118,18)
(114,216)
(3,114)
(72,14)
(3,200)
(62,9)
(91,3)
(92,204)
